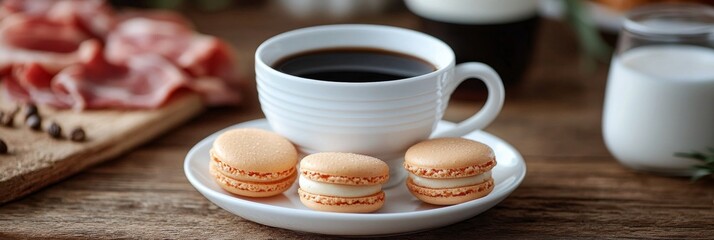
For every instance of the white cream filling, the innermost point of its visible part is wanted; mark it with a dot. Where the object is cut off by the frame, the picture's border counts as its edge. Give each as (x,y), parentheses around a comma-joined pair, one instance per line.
(450,182)
(337,190)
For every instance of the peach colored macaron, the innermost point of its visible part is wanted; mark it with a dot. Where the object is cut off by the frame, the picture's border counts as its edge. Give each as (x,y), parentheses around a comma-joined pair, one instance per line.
(253,162)
(342,182)
(447,171)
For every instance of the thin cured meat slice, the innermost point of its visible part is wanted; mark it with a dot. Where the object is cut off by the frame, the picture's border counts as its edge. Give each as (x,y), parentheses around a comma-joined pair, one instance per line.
(31,74)
(146,81)
(40,34)
(207,56)
(25,39)
(198,54)
(31,82)
(94,17)
(208,60)
(27,7)
(214,90)
(79,54)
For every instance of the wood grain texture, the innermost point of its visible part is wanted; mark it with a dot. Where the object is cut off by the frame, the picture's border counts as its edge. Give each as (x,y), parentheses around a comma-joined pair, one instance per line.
(36,160)
(573,187)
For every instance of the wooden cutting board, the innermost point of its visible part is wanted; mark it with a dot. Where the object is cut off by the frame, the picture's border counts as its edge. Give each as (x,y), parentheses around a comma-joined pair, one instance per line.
(36,160)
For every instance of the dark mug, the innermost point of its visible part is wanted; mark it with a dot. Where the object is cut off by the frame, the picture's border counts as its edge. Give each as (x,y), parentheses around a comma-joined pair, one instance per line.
(499,33)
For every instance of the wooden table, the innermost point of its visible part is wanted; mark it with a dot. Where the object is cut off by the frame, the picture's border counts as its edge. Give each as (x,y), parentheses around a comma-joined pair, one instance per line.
(573,188)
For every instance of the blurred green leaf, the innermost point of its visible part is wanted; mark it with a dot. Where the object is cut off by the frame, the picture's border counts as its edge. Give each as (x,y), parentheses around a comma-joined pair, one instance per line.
(594,47)
(703,170)
(700,173)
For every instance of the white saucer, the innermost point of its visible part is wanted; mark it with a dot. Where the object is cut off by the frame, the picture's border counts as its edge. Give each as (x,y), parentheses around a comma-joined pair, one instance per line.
(402,213)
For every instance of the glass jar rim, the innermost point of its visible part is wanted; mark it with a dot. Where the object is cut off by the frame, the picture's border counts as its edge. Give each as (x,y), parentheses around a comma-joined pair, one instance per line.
(640,19)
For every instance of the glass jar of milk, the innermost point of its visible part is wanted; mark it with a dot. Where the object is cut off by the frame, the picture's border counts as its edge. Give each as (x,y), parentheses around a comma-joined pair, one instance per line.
(660,91)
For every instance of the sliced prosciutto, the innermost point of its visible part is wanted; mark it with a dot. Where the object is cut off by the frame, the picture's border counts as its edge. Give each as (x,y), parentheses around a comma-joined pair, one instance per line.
(146,81)
(94,17)
(207,59)
(32,82)
(79,54)
(28,63)
(26,39)
(200,55)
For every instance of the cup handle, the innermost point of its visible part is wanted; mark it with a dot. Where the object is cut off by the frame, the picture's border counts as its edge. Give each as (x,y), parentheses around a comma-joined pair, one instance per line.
(494,102)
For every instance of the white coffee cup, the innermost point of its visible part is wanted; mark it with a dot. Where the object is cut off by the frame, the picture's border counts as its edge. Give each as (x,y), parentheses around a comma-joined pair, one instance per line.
(380,119)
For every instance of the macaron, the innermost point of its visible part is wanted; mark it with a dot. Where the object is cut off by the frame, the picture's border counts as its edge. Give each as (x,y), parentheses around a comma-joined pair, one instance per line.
(342,182)
(447,171)
(253,162)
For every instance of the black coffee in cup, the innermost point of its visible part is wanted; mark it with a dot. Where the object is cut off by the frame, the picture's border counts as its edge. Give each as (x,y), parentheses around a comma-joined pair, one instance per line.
(353,65)
(499,33)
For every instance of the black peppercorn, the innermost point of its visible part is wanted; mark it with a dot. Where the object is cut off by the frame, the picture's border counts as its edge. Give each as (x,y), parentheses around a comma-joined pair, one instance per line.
(9,121)
(34,122)
(30,109)
(77,135)
(3,147)
(55,130)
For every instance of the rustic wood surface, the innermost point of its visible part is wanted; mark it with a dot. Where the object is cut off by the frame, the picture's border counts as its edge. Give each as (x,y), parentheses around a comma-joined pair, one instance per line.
(35,160)
(573,189)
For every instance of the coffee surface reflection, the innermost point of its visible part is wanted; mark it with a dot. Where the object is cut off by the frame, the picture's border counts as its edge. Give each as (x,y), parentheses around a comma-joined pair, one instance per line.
(353,65)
